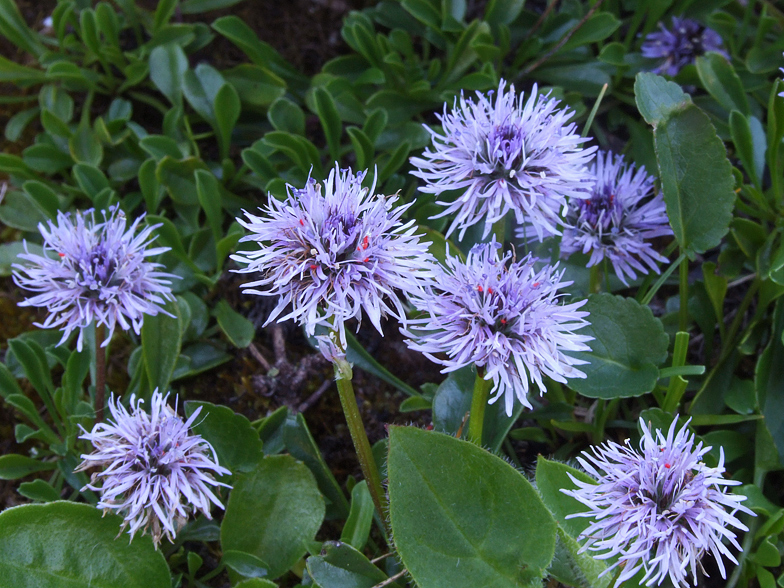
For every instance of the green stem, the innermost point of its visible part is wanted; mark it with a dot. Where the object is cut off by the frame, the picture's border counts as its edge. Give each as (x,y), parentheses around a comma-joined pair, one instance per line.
(677,384)
(367,462)
(100,373)
(594,110)
(478,404)
(683,312)
(594,280)
(646,299)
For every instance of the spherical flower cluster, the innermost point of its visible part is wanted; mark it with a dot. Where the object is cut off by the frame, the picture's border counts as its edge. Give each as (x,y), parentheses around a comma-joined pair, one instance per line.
(155,471)
(659,509)
(503,316)
(329,251)
(681,45)
(623,211)
(94,271)
(507,154)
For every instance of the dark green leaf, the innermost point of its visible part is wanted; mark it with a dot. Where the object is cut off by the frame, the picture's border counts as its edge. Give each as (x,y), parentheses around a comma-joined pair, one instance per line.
(462,516)
(357,528)
(245,564)
(341,566)
(235,441)
(64,544)
(286,116)
(161,341)
(90,179)
(14,28)
(208,192)
(168,64)
(696,179)
(330,121)
(721,82)
(13,466)
(551,478)
(769,381)
(272,512)
(227,111)
(39,490)
(239,330)
(629,344)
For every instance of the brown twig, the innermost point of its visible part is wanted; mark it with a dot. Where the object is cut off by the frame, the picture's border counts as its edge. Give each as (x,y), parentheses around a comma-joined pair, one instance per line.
(391,579)
(548,9)
(254,351)
(313,398)
(563,41)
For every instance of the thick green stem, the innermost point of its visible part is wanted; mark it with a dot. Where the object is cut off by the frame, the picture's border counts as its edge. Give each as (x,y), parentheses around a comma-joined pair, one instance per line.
(367,462)
(100,373)
(683,312)
(594,280)
(478,405)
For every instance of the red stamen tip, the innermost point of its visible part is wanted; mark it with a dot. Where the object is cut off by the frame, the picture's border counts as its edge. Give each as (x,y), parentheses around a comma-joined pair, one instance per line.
(313,267)
(666,465)
(480,288)
(489,290)
(366,259)
(61,254)
(535,284)
(302,222)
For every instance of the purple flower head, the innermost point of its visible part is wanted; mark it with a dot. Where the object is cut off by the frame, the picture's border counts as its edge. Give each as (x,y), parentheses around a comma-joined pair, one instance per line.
(155,471)
(658,509)
(503,316)
(94,271)
(331,251)
(510,154)
(681,45)
(622,213)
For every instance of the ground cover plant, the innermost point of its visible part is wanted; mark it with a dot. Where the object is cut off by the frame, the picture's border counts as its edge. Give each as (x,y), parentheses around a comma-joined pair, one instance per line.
(423,293)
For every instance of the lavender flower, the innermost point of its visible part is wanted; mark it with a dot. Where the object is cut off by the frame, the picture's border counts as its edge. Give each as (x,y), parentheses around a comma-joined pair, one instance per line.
(504,317)
(680,46)
(622,212)
(156,472)
(332,252)
(94,271)
(514,154)
(659,509)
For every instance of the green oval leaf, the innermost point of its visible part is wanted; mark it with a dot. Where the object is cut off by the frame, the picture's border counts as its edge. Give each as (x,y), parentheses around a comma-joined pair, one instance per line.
(235,441)
(628,346)
(161,342)
(272,512)
(696,178)
(462,516)
(14,466)
(69,545)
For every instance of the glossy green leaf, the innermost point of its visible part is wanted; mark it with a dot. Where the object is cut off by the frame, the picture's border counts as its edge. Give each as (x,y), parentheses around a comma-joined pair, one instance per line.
(227,111)
(178,178)
(360,519)
(70,545)
(19,121)
(239,330)
(46,158)
(696,179)
(245,564)
(235,441)
(44,196)
(300,443)
(748,136)
(13,466)
(330,121)
(462,516)
(161,341)
(286,116)
(720,80)
(90,179)
(39,491)
(14,28)
(339,565)
(272,512)
(628,346)
(209,194)
(572,568)
(168,64)
(199,6)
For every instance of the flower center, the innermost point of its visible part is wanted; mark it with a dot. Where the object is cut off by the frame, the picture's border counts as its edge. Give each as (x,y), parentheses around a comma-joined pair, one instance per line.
(96,269)
(153,458)
(602,212)
(505,148)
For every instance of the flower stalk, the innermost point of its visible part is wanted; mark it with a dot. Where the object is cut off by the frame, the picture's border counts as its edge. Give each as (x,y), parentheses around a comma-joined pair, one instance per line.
(100,373)
(367,462)
(478,405)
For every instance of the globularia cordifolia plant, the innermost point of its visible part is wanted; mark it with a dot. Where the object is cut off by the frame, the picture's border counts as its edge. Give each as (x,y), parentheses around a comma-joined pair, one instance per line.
(659,509)
(95,271)
(623,213)
(155,471)
(505,317)
(330,251)
(680,45)
(502,152)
